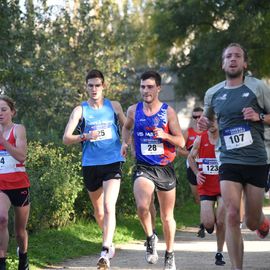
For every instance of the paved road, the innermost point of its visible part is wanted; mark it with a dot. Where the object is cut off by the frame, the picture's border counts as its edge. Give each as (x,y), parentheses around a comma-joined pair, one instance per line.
(191,253)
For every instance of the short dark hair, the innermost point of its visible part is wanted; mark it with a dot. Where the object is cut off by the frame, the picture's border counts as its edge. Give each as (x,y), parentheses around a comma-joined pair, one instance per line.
(94,73)
(10,102)
(236,45)
(152,74)
(197,109)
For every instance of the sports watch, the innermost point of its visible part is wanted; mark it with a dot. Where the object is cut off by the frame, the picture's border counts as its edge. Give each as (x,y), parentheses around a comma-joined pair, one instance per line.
(262,116)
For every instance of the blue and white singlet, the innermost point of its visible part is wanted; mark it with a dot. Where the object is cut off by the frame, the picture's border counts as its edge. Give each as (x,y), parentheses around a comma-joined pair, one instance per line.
(106,148)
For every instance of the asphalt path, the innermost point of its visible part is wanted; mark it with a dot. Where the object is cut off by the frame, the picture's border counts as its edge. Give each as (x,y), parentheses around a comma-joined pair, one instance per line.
(191,252)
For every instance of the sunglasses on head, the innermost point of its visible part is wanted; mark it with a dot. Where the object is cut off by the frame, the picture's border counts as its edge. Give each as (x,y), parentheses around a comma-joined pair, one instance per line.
(196,116)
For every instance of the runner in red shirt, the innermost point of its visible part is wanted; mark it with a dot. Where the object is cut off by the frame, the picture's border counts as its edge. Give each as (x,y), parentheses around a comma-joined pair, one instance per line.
(190,135)
(14,182)
(202,160)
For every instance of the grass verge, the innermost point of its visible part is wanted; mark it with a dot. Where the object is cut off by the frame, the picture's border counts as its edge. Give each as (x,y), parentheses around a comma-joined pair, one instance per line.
(53,246)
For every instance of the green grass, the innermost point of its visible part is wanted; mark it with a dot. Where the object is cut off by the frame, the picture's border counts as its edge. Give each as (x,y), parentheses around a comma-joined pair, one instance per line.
(84,238)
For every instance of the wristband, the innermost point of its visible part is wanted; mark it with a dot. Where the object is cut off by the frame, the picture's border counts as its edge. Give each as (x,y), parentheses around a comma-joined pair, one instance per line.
(82,137)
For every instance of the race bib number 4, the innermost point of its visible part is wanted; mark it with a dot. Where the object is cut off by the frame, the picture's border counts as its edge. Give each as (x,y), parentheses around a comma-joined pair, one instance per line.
(152,149)
(237,137)
(210,166)
(7,161)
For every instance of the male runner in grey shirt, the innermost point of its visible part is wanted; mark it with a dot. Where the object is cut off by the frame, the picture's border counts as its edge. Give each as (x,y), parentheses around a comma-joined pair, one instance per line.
(242,107)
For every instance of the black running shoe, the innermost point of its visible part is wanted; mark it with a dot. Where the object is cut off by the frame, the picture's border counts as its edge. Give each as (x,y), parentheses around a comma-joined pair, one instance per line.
(219,259)
(23,262)
(201,232)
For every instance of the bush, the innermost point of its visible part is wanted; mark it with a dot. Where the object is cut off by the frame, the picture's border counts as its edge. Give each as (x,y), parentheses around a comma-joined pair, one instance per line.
(183,191)
(55,182)
(57,192)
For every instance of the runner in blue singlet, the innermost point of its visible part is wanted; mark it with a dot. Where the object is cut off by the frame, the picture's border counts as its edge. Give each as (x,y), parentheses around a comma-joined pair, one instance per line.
(101,159)
(156,132)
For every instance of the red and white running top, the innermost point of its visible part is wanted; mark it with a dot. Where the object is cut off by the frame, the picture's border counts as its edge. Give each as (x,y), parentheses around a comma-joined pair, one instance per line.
(12,172)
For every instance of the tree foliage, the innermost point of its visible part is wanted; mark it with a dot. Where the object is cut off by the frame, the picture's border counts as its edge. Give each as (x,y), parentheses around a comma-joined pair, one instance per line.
(45,56)
(192,34)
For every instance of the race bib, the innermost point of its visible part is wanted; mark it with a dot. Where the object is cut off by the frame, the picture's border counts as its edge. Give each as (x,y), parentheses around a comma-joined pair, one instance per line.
(152,148)
(7,161)
(237,137)
(103,130)
(103,134)
(210,166)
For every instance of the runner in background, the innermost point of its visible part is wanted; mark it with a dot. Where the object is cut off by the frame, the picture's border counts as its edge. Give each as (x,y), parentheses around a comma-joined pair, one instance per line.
(204,164)
(14,183)
(190,135)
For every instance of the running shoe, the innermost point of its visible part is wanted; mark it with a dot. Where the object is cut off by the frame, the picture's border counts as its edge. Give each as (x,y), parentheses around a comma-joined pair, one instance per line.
(201,232)
(169,262)
(219,259)
(23,264)
(111,251)
(23,260)
(104,261)
(151,255)
(263,230)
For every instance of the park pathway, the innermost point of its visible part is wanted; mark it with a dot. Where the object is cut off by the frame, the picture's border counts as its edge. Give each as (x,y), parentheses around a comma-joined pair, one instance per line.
(191,253)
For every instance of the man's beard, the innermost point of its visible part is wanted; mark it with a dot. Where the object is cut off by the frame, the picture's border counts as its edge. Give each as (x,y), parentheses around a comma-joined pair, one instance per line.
(234,75)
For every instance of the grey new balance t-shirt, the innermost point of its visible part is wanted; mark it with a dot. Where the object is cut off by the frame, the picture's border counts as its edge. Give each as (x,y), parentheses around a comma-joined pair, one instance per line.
(242,141)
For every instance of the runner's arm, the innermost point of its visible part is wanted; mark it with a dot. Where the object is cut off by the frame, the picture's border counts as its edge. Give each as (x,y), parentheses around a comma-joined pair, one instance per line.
(193,154)
(119,111)
(69,137)
(18,151)
(183,152)
(127,129)
(176,137)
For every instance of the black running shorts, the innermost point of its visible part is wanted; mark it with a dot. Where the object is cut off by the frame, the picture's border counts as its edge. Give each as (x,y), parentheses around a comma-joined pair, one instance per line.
(94,176)
(255,175)
(163,177)
(18,197)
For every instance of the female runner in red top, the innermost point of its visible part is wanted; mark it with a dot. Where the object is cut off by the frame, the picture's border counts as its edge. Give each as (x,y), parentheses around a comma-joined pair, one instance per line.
(14,182)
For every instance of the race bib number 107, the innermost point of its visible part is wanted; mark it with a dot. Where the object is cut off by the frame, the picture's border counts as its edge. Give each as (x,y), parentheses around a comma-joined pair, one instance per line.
(237,137)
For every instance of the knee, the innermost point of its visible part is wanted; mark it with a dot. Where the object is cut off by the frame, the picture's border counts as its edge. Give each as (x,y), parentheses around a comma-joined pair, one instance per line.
(167,219)
(99,213)
(233,218)
(142,210)
(109,209)
(220,224)
(3,222)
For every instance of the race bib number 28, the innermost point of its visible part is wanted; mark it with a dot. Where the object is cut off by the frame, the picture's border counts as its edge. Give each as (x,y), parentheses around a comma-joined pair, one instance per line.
(152,149)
